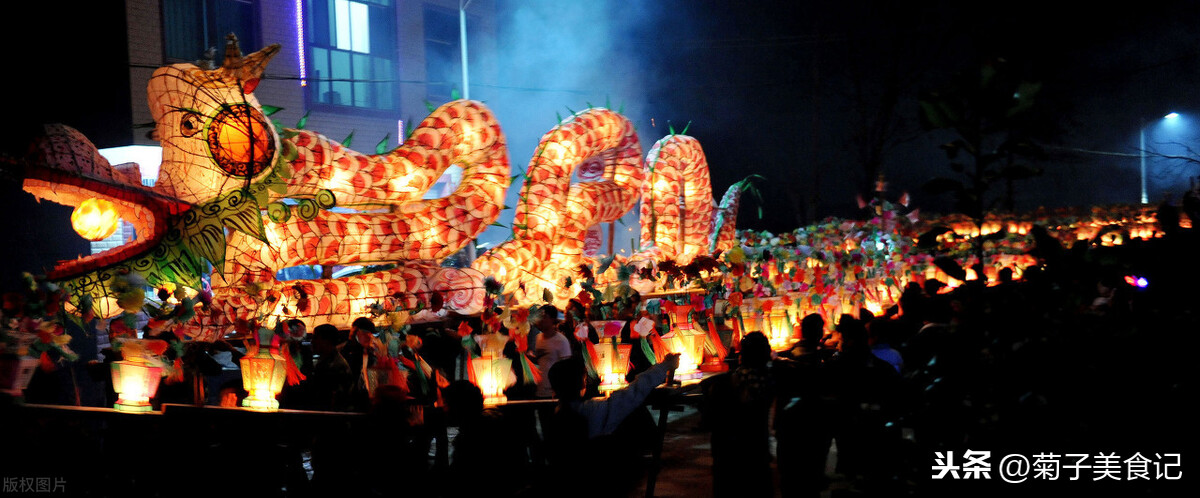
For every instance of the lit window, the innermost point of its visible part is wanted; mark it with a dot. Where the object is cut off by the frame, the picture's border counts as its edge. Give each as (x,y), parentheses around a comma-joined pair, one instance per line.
(190,27)
(352,50)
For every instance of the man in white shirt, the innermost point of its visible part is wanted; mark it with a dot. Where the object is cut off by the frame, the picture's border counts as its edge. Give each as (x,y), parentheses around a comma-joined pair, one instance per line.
(550,348)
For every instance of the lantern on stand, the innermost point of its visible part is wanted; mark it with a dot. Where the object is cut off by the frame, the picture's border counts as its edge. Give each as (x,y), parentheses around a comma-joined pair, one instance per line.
(752,317)
(612,358)
(777,326)
(612,363)
(492,374)
(687,341)
(263,374)
(135,381)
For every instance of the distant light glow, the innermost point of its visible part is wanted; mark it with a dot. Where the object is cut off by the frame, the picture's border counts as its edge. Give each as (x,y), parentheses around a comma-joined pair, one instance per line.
(148,158)
(300,42)
(1171,115)
(1136,281)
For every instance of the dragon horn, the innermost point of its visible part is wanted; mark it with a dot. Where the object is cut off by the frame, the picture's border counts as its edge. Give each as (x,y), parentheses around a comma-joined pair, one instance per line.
(247,69)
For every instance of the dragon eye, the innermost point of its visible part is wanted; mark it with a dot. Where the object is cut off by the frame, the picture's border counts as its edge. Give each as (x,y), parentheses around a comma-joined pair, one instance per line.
(240,141)
(190,124)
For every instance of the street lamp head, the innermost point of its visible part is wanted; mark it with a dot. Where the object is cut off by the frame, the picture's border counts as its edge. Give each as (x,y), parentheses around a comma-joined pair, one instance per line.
(1171,115)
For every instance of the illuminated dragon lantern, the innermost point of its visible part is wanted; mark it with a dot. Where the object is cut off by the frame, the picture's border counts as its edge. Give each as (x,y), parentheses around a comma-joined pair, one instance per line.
(238,200)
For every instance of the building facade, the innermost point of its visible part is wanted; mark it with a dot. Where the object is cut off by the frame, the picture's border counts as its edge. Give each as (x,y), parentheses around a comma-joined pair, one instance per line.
(367,67)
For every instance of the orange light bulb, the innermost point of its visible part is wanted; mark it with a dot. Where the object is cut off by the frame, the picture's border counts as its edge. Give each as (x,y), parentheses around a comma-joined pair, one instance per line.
(95,219)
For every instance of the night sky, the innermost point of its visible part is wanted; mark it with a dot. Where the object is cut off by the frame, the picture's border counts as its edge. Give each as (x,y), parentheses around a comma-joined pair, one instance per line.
(789,92)
(802,93)
(807,93)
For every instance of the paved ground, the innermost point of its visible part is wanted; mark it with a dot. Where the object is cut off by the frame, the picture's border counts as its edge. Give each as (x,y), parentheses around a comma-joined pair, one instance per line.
(687,463)
(686,459)
(686,469)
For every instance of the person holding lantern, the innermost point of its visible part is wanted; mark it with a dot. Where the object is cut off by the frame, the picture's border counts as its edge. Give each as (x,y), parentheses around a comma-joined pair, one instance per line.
(591,430)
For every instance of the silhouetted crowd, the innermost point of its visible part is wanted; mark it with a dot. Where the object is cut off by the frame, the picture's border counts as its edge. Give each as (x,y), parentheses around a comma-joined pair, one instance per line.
(1088,352)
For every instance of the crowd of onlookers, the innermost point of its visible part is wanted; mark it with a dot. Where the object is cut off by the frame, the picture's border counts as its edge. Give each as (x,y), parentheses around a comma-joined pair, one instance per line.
(1071,357)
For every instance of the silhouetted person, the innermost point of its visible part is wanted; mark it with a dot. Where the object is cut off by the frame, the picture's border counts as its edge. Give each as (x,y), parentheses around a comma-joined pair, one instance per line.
(1168,216)
(584,431)
(550,347)
(740,409)
(487,447)
(360,352)
(1005,275)
(879,336)
(862,389)
(327,387)
(804,413)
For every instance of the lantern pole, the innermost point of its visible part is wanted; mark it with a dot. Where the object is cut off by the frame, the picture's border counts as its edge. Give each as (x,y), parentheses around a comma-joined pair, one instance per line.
(462,37)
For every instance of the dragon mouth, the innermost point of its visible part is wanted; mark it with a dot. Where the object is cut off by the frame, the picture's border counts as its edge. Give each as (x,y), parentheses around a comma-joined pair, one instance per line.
(147,210)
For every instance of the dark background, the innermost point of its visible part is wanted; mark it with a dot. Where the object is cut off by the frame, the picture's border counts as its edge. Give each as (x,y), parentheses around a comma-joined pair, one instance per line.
(814,96)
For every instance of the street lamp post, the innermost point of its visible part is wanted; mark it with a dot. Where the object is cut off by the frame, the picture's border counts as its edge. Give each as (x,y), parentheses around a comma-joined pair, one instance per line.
(462,40)
(1142,153)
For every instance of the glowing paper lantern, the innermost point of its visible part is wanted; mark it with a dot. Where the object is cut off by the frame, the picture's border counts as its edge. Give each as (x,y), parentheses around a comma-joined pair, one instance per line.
(95,219)
(778,327)
(687,342)
(135,381)
(677,200)
(552,220)
(492,375)
(612,363)
(224,164)
(263,374)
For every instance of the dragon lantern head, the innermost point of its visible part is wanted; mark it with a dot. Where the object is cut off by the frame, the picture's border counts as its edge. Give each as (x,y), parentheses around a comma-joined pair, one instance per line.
(214,135)
(215,141)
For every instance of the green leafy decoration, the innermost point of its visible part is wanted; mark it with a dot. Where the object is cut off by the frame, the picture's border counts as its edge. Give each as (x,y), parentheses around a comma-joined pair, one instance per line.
(382,146)
(349,139)
(303,121)
(202,230)
(604,263)
(270,109)
(408,128)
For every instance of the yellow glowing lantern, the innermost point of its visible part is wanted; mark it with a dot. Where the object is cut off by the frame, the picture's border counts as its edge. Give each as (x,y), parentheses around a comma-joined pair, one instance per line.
(493,374)
(95,219)
(263,374)
(688,342)
(612,363)
(135,381)
(778,327)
